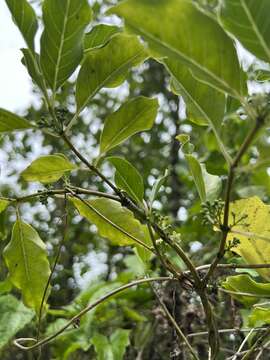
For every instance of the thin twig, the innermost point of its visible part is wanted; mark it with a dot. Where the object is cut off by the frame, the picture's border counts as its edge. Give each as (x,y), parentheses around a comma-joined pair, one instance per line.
(243,344)
(18,342)
(65,228)
(179,332)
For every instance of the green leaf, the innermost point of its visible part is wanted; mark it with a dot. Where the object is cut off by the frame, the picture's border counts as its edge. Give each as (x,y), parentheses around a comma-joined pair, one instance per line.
(156,187)
(26,259)
(113,221)
(62,39)
(135,115)
(249,22)
(205,105)
(47,169)
(208,186)
(244,284)
(14,316)
(30,63)
(11,122)
(3,204)
(128,178)
(25,18)
(199,42)
(102,347)
(108,67)
(113,348)
(120,341)
(252,229)
(5,286)
(259,317)
(99,36)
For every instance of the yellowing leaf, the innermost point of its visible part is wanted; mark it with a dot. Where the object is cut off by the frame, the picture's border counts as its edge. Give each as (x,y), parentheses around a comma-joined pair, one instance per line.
(47,169)
(27,262)
(252,218)
(113,221)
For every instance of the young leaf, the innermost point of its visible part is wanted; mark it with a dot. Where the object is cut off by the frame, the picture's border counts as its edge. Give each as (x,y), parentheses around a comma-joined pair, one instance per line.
(199,43)
(112,220)
(244,284)
(47,169)
(14,316)
(11,122)
(26,259)
(128,178)
(249,22)
(108,67)
(156,187)
(208,186)
(135,115)
(102,347)
(250,217)
(3,204)
(62,39)
(25,18)
(99,36)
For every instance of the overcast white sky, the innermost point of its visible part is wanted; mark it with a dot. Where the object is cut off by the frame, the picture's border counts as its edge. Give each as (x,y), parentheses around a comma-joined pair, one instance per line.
(15,84)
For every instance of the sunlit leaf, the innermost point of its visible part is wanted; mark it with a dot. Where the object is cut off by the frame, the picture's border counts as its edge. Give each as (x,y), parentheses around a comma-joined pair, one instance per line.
(47,169)
(134,116)
(252,229)
(259,317)
(245,284)
(14,316)
(62,39)
(26,259)
(11,122)
(113,221)
(199,42)
(99,36)
(249,22)
(25,18)
(108,67)
(128,178)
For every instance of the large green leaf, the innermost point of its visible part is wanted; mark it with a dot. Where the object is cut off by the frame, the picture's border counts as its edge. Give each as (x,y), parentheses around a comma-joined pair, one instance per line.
(248,21)
(99,36)
(25,18)
(135,115)
(113,221)
(108,67)
(47,169)
(112,348)
(26,259)
(250,224)
(205,105)
(208,186)
(10,122)
(244,284)
(188,36)
(13,318)
(62,39)
(128,178)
